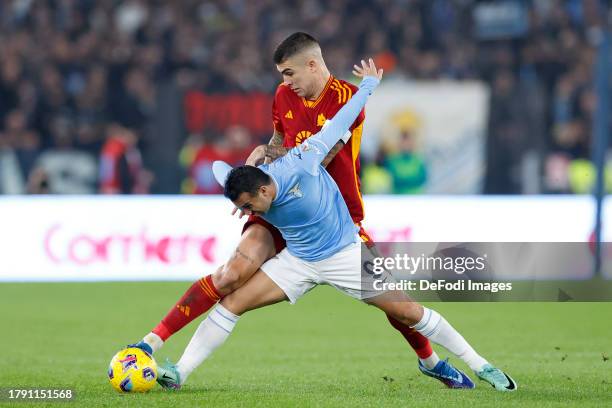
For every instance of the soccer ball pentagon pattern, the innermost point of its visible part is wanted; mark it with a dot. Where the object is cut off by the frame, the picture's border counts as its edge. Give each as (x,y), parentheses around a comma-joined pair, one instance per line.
(132,370)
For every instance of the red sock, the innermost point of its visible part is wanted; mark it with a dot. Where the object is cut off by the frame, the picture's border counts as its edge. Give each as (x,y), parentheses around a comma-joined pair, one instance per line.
(420,344)
(200,297)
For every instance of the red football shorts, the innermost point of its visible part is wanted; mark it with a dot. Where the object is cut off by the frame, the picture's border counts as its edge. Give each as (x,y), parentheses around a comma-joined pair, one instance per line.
(279,241)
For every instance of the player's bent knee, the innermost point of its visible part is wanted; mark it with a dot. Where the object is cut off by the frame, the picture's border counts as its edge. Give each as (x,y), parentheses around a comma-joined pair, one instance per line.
(234,304)
(409,313)
(256,246)
(404,311)
(227,280)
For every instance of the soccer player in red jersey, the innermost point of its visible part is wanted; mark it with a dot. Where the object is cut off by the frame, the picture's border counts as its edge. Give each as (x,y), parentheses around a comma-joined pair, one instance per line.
(308,96)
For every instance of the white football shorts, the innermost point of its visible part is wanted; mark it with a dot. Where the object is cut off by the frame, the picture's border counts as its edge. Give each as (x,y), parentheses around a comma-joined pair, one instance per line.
(296,276)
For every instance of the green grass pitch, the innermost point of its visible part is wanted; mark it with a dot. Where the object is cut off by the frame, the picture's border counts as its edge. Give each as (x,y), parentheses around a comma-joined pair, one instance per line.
(328,350)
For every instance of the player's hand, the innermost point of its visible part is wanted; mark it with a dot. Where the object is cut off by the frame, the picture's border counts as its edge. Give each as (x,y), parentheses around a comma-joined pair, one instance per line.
(242,213)
(367,69)
(257,156)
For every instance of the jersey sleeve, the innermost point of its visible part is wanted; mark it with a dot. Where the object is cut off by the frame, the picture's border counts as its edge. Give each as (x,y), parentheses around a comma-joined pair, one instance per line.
(309,155)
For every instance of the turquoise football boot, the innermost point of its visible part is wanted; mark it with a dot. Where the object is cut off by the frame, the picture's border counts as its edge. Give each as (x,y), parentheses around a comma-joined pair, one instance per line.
(497,378)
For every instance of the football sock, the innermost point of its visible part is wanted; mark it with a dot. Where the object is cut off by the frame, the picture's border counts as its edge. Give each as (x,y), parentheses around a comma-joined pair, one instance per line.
(431,361)
(154,341)
(420,344)
(437,329)
(200,297)
(211,334)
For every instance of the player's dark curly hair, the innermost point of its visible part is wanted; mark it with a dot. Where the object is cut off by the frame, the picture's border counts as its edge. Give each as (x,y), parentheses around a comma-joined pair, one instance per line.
(292,45)
(244,179)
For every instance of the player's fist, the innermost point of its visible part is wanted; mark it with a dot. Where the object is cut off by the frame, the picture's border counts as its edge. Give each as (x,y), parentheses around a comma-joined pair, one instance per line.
(367,69)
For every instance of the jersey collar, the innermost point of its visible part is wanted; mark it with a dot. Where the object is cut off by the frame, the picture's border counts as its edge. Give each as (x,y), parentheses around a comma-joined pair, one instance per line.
(312,104)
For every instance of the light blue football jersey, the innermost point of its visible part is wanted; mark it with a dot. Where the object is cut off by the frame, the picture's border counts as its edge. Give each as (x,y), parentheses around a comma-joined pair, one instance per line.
(308,209)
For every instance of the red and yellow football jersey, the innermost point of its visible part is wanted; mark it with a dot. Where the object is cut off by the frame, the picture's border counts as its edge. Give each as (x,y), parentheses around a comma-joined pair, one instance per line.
(298,119)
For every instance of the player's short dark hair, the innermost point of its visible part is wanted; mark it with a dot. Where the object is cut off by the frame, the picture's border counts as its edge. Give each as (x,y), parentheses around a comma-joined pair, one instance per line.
(292,45)
(244,179)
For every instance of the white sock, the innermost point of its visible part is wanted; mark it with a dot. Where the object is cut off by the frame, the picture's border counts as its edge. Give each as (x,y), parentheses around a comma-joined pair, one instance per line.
(431,361)
(437,329)
(154,341)
(209,336)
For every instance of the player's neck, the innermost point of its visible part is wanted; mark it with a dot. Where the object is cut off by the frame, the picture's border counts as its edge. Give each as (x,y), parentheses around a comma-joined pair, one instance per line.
(323,79)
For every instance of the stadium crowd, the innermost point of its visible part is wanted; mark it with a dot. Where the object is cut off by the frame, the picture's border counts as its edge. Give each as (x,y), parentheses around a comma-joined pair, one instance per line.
(88,87)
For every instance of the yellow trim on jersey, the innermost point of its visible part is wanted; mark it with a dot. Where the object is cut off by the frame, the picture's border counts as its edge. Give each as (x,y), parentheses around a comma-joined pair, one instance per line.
(312,104)
(338,91)
(350,91)
(355,144)
(343,89)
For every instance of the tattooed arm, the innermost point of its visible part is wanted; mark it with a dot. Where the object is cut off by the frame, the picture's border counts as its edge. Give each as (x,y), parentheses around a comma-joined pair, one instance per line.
(275,148)
(270,152)
(332,153)
(261,154)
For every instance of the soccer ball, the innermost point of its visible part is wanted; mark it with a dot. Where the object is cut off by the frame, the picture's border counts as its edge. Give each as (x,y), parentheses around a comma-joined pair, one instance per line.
(132,370)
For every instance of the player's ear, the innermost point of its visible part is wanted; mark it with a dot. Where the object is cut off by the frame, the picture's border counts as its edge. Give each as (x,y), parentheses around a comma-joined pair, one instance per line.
(312,65)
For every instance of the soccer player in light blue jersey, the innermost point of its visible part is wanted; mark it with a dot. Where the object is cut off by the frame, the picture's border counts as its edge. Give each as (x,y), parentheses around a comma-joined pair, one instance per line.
(297,195)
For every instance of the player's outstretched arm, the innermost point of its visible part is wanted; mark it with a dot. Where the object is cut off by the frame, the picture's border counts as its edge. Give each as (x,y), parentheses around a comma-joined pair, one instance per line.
(270,152)
(340,123)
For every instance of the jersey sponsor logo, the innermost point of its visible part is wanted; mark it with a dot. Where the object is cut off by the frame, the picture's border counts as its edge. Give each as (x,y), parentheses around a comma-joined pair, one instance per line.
(296,192)
(289,115)
(321,119)
(301,136)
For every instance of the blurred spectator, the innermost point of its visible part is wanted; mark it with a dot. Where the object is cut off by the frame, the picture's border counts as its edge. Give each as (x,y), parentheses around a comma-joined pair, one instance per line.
(121,168)
(406,167)
(375,179)
(63,169)
(11,178)
(198,154)
(508,134)
(107,61)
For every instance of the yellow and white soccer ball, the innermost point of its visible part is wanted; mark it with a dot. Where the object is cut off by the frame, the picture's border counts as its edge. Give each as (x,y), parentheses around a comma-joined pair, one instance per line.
(132,370)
